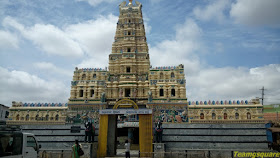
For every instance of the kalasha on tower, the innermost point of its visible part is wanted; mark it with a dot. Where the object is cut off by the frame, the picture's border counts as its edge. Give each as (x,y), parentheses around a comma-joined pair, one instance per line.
(130,76)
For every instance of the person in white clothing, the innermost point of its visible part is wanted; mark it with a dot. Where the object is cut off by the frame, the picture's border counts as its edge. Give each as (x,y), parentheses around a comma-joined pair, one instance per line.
(127,149)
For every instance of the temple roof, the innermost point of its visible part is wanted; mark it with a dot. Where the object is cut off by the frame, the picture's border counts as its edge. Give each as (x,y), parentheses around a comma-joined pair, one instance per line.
(20,104)
(225,102)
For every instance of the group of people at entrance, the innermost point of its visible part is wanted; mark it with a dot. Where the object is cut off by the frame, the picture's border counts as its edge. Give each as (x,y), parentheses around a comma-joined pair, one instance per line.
(89,137)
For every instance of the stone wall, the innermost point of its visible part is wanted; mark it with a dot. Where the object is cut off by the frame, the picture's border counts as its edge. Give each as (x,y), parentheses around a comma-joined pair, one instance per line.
(57,136)
(215,137)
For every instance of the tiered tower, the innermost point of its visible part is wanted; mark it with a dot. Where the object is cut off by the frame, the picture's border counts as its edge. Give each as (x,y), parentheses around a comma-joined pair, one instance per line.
(129,62)
(130,75)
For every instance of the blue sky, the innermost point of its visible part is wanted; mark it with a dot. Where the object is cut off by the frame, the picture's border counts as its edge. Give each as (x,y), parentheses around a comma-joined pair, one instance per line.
(230,48)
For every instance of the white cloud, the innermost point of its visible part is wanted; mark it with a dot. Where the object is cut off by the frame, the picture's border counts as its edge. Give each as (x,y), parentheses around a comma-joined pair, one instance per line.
(256,12)
(213,11)
(235,83)
(204,83)
(94,36)
(51,68)
(8,40)
(22,86)
(95,62)
(148,27)
(181,50)
(49,38)
(188,31)
(54,41)
(96,2)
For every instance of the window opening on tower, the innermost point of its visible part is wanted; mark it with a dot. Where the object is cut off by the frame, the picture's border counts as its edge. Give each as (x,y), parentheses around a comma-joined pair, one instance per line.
(81,93)
(127,69)
(236,116)
(92,93)
(172,92)
(161,76)
(84,77)
(127,92)
(172,75)
(161,92)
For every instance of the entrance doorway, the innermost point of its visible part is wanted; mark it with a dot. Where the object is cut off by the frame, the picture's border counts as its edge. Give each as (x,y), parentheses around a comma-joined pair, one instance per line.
(109,133)
(132,135)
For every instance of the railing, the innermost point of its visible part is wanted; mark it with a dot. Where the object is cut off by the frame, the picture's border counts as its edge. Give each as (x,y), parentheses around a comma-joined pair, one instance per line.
(55,153)
(203,153)
(227,121)
(16,122)
(181,153)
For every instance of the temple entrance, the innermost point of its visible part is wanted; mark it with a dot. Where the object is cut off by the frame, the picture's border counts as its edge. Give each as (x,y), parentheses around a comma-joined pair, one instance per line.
(132,135)
(111,138)
(127,130)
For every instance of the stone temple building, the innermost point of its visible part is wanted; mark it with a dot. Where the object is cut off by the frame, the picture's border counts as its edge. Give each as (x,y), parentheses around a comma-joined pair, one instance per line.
(131,78)
(130,74)
(37,113)
(131,93)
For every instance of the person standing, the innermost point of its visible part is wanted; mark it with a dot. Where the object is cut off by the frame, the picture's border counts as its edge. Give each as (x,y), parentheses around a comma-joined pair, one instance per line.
(127,149)
(87,132)
(158,132)
(75,149)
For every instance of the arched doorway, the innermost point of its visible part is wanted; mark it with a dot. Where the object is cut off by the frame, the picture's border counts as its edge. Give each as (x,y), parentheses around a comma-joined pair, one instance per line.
(108,128)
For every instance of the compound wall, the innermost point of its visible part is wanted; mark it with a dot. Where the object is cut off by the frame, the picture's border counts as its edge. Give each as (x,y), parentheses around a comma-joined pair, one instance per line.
(57,137)
(215,136)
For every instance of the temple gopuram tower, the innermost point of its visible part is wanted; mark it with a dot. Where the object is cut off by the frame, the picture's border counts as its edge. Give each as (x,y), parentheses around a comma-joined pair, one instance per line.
(130,75)
(129,62)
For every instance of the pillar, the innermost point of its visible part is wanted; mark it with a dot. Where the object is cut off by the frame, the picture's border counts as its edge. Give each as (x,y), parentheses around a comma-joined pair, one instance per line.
(84,93)
(145,135)
(102,137)
(111,141)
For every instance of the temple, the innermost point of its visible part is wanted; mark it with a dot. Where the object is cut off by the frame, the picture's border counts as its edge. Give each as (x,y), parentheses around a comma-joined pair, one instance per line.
(131,76)
(133,94)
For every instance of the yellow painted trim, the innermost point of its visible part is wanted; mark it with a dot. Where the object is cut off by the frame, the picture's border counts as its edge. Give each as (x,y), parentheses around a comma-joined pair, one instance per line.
(102,137)
(145,135)
(118,104)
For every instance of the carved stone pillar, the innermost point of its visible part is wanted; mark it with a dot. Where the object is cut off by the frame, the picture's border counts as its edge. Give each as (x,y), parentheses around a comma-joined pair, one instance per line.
(88,92)
(85,93)
(166,92)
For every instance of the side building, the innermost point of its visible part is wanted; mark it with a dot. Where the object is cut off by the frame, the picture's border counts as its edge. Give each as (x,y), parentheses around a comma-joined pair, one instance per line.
(226,112)
(37,113)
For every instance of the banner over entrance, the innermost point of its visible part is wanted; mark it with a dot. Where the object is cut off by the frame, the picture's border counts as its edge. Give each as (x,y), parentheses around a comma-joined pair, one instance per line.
(124,111)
